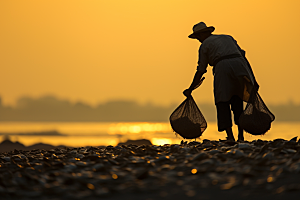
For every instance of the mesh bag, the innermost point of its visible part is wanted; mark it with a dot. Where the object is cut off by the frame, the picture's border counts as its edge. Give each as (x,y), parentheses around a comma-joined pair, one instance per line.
(256,118)
(187,120)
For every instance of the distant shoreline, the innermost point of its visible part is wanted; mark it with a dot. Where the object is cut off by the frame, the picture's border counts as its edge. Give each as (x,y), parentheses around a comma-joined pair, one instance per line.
(52,109)
(40,133)
(7,145)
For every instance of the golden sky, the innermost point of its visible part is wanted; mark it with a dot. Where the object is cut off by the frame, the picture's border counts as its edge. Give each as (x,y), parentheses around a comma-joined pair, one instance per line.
(98,50)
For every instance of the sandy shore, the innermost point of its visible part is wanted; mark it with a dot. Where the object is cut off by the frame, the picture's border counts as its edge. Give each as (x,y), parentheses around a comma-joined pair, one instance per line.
(206,170)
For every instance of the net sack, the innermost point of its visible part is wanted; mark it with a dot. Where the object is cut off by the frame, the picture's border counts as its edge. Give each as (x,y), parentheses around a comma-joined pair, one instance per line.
(256,118)
(187,119)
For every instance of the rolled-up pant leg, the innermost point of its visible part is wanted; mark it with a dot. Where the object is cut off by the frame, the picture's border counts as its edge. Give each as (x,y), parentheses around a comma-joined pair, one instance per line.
(223,116)
(224,113)
(237,108)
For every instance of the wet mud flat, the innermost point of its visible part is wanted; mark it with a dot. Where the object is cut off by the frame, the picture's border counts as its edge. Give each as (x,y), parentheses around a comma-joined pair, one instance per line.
(195,170)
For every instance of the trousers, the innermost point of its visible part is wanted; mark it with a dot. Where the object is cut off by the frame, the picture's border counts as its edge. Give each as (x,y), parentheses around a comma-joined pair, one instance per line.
(224,113)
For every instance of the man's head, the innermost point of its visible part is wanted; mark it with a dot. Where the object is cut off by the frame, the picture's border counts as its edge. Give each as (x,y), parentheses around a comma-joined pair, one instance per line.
(201,31)
(202,36)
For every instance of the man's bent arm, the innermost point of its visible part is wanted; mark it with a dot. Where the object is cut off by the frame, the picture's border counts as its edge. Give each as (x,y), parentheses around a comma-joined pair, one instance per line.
(196,80)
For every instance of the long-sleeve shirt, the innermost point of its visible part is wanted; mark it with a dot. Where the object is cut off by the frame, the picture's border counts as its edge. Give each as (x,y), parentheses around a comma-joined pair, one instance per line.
(229,76)
(214,47)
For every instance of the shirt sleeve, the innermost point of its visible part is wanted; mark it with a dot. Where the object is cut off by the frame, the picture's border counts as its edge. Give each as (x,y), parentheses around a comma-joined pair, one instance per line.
(203,60)
(239,48)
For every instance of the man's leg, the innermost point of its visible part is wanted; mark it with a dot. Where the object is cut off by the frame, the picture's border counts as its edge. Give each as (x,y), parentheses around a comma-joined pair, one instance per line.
(237,108)
(230,134)
(241,134)
(224,119)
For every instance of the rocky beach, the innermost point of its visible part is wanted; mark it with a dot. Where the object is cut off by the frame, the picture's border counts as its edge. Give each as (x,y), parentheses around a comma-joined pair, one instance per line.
(191,170)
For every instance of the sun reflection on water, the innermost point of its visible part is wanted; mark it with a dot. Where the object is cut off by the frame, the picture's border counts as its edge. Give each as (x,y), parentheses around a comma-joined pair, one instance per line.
(134,128)
(110,133)
(161,141)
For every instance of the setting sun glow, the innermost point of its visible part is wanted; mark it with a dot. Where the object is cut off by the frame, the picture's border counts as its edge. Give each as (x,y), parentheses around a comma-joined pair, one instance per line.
(94,51)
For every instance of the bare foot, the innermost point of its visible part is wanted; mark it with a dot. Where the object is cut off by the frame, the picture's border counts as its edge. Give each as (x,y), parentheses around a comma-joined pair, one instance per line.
(230,139)
(241,134)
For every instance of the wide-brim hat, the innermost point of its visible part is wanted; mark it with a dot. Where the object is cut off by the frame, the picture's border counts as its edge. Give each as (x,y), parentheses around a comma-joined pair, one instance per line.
(200,27)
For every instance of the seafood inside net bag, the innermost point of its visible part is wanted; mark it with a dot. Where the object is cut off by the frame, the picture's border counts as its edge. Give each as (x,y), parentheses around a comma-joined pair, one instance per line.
(187,119)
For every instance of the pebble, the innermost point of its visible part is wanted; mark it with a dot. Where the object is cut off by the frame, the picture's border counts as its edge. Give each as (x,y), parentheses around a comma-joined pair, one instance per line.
(268,156)
(239,153)
(99,167)
(93,172)
(70,167)
(200,156)
(207,162)
(235,153)
(291,150)
(214,151)
(244,146)
(7,159)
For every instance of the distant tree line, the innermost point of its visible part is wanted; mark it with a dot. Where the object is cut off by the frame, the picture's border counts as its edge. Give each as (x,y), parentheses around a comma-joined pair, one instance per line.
(49,108)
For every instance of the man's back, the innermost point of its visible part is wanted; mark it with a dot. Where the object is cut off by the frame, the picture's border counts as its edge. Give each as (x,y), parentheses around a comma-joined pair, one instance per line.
(216,46)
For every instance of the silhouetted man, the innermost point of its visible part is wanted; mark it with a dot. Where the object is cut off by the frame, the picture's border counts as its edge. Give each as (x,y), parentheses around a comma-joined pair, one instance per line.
(231,72)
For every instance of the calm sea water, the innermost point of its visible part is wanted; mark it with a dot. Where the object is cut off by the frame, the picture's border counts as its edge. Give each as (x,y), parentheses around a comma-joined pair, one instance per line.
(96,134)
